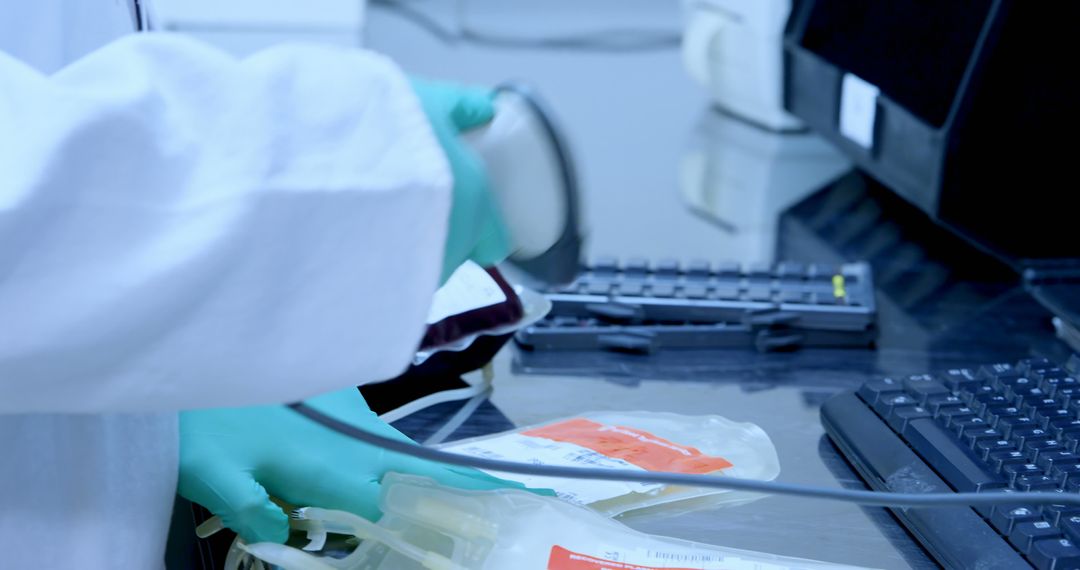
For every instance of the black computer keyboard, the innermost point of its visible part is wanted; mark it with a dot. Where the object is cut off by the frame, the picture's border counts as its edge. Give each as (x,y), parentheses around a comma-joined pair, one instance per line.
(640,306)
(999,427)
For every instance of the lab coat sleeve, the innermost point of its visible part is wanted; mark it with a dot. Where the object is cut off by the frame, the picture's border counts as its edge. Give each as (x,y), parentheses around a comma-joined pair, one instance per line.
(181,229)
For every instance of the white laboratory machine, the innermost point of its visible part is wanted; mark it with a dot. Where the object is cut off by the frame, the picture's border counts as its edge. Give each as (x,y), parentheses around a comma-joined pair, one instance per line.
(734,48)
(742,177)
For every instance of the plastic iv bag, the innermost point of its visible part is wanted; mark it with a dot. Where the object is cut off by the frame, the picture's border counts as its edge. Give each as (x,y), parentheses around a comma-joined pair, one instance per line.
(428,526)
(635,441)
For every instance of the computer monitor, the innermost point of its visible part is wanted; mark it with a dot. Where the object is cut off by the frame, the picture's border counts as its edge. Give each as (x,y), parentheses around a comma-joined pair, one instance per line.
(972,115)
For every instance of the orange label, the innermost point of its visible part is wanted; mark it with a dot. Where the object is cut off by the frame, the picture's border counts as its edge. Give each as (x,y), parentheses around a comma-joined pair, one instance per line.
(563,559)
(636,447)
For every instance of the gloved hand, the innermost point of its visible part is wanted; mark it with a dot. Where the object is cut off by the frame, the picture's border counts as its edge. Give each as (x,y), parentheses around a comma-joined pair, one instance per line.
(232,460)
(476,230)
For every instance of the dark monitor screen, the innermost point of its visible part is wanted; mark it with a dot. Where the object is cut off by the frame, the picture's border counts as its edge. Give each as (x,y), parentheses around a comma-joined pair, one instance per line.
(996,84)
(914,50)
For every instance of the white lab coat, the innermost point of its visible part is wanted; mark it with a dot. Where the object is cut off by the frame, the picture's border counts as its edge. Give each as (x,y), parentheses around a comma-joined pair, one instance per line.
(181,229)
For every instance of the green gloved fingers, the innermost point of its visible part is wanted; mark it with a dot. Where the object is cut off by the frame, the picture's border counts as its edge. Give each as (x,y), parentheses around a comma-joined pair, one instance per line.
(465,107)
(476,230)
(232,493)
(233,460)
(222,481)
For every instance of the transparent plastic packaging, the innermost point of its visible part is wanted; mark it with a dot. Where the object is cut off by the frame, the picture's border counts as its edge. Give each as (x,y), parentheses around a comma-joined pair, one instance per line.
(427,526)
(636,441)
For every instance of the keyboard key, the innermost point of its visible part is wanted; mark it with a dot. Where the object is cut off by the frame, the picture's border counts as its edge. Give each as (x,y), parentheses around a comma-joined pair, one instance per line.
(1067,395)
(698,269)
(954,462)
(1071,440)
(636,266)
(983,449)
(632,288)
(972,436)
(1007,425)
(667,268)
(979,395)
(942,401)
(1048,374)
(1026,533)
(959,378)
(1034,449)
(1015,470)
(1068,471)
(1036,364)
(1070,525)
(1036,483)
(729,270)
(598,287)
(992,370)
(822,272)
(1048,459)
(998,408)
(1001,381)
(605,265)
(663,289)
(1044,417)
(1032,405)
(958,424)
(999,460)
(792,296)
(1029,388)
(1051,384)
(924,386)
(949,415)
(695,291)
(1064,425)
(1054,513)
(870,391)
(1055,373)
(989,400)
(1022,436)
(1005,517)
(823,298)
(993,414)
(791,271)
(1055,554)
(726,291)
(564,321)
(885,404)
(916,379)
(759,293)
(901,415)
(985,511)
(759,271)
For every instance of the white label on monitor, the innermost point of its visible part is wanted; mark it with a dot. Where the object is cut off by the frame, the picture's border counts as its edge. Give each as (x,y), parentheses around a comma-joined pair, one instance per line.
(858,110)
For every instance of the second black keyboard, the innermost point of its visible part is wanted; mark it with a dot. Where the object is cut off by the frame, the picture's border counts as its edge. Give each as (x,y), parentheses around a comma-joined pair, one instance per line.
(997,427)
(639,306)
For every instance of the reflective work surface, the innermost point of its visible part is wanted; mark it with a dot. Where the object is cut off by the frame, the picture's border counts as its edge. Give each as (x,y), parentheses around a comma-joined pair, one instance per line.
(667,176)
(941,303)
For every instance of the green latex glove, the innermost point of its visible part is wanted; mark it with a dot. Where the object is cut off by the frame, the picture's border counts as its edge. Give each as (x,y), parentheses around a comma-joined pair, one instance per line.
(476,229)
(232,460)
